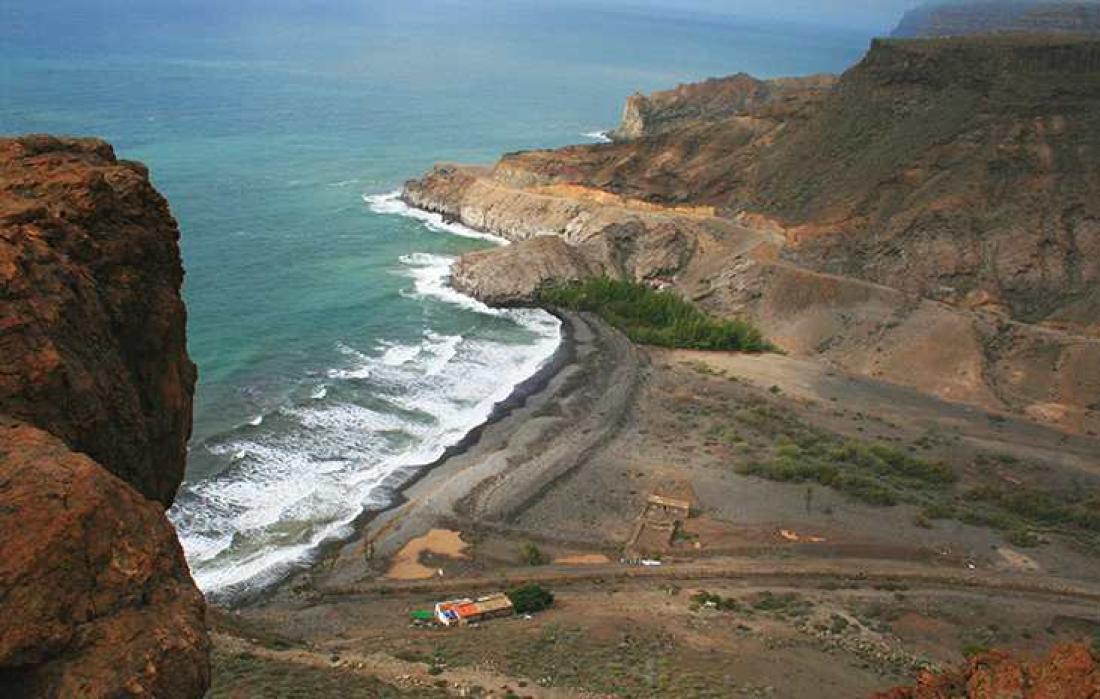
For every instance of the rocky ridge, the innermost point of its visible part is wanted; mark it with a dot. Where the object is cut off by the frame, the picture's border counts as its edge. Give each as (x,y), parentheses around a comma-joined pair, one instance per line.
(96,598)
(930,221)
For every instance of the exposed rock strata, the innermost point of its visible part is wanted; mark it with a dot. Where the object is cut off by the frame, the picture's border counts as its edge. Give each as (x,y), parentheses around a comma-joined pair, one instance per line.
(96,599)
(931,221)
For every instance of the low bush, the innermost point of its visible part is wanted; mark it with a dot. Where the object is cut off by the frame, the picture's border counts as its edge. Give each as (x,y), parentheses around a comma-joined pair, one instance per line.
(532,555)
(706,599)
(652,317)
(528,599)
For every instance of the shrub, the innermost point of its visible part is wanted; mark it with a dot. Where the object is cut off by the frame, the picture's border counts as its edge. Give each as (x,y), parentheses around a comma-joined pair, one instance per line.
(652,317)
(530,598)
(532,555)
(706,599)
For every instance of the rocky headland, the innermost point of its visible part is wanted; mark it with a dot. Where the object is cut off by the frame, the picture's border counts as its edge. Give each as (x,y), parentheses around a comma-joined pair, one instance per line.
(929,218)
(96,387)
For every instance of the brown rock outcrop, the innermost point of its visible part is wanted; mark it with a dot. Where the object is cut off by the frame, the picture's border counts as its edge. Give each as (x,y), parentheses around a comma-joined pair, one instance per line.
(1070,671)
(514,274)
(96,599)
(92,327)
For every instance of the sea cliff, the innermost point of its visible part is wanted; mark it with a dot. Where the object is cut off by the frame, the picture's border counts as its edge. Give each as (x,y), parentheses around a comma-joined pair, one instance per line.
(96,388)
(930,219)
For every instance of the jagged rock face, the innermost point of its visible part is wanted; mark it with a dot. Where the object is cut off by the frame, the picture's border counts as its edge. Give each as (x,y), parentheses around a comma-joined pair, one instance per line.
(1070,671)
(962,18)
(93,345)
(96,599)
(95,596)
(514,274)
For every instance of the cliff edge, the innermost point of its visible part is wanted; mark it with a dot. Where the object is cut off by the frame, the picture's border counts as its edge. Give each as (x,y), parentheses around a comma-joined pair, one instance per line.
(96,598)
(94,345)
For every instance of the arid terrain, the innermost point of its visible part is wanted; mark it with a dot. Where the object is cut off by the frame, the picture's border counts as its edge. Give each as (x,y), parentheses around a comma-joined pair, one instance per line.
(912,481)
(809,589)
(903,492)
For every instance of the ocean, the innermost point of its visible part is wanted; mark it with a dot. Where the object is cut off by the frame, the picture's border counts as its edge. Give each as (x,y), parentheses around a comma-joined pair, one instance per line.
(334,358)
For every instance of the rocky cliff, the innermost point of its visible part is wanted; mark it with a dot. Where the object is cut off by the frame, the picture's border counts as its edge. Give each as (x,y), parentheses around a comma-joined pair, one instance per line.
(93,348)
(931,219)
(96,598)
(949,18)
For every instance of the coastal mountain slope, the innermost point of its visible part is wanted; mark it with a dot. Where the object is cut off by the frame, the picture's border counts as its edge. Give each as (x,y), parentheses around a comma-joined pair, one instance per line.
(954,18)
(931,220)
(96,598)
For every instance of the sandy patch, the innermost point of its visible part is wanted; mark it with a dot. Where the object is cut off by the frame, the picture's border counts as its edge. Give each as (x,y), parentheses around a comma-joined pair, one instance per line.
(587,559)
(406,564)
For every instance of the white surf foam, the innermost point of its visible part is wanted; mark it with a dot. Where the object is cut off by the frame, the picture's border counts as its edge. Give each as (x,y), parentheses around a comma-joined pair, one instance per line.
(430,274)
(390,203)
(597,136)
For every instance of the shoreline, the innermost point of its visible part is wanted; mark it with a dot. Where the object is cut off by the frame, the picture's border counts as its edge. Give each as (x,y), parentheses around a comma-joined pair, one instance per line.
(396,486)
(545,429)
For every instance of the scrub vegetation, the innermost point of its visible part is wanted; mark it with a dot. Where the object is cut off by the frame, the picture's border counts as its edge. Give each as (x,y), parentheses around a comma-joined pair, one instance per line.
(776,445)
(652,317)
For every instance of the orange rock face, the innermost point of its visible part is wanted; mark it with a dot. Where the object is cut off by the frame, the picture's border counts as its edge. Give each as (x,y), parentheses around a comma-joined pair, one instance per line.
(92,327)
(95,595)
(1070,672)
(95,410)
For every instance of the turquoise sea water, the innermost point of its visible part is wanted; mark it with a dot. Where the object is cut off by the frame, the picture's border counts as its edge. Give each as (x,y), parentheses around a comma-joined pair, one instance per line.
(333,357)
